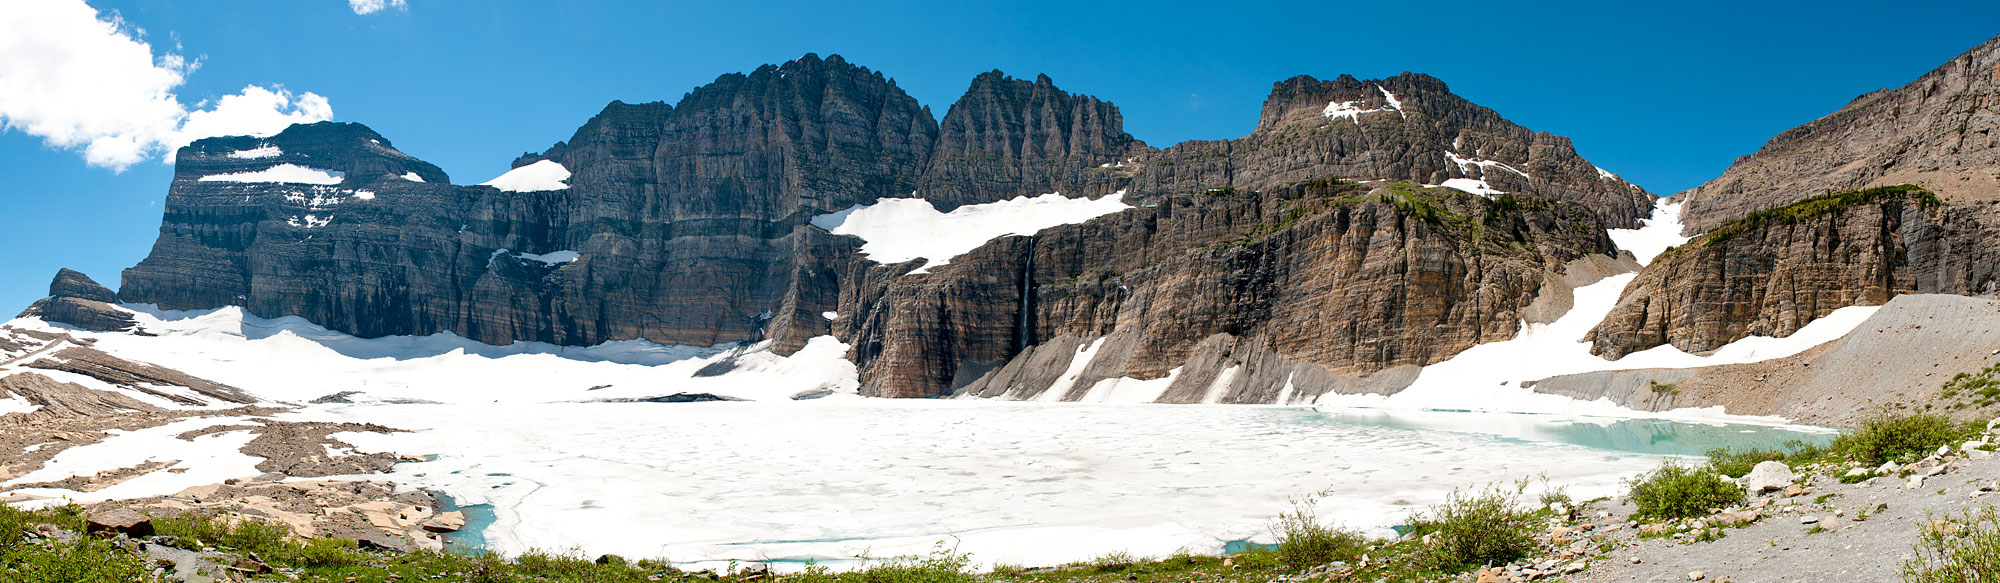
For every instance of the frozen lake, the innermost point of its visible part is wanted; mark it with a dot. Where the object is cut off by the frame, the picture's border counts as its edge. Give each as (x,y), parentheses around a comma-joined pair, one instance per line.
(1008,482)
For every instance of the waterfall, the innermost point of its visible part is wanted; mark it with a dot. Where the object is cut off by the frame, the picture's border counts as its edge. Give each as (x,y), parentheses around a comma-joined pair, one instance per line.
(1022,321)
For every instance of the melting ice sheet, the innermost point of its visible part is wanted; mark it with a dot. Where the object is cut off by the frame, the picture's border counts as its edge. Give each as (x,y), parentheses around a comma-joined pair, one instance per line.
(1026,483)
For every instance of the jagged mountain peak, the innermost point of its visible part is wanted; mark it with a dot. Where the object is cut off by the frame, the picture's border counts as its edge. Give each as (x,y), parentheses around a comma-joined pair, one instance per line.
(346,151)
(1012,137)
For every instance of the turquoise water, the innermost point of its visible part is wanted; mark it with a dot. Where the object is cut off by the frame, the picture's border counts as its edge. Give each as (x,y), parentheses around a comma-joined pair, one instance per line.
(1642,436)
(478,517)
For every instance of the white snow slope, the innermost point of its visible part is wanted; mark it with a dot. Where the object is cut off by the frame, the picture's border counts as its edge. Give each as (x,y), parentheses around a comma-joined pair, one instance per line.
(902,229)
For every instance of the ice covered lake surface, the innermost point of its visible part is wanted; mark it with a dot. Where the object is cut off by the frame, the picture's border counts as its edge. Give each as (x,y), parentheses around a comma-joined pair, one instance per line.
(1023,483)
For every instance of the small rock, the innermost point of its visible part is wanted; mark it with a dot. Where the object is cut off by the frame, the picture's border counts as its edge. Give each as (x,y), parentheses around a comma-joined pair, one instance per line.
(1489,576)
(1858,472)
(1808,520)
(1915,482)
(1943,450)
(1794,491)
(1943,528)
(1888,468)
(1935,470)
(1697,575)
(1635,560)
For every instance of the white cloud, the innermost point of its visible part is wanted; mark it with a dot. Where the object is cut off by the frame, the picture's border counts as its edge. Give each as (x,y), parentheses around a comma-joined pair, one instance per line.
(257,111)
(87,83)
(374,6)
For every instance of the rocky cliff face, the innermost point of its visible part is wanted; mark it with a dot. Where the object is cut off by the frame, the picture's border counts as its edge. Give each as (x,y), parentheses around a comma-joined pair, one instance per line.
(1254,269)
(690,224)
(1233,295)
(1773,272)
(1941,130)
(1008,137)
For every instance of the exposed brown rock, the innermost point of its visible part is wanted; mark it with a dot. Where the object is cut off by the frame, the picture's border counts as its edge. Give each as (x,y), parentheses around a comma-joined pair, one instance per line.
(303,449)
(140,376)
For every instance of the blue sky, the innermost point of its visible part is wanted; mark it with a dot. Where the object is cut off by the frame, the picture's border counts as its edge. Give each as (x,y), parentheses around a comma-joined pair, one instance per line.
(1666,94)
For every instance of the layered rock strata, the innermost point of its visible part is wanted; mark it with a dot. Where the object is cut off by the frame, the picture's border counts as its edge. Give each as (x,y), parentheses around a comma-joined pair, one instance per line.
(1774,272)
(1344,279)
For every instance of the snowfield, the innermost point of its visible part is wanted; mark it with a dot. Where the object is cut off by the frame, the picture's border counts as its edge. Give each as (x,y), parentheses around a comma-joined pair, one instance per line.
(539,176)
(903,229)
(282,173)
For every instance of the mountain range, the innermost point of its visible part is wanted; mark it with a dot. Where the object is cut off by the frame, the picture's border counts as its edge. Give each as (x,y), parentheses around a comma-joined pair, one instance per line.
(1364,229)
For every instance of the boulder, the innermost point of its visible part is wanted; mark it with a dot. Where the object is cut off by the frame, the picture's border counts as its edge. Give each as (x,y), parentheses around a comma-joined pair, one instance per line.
(1768,476)
(446,522)
(120,521)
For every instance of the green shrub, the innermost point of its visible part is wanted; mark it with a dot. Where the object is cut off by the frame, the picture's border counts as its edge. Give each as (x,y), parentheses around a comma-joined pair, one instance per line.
(1819,206)
(327,552)
(1677,491)
(1304,542)
(1960,549)
(940,566)
(1473,529)
(1113,562)
(84,560)
(1896,436)
(1738,463)
(195,530)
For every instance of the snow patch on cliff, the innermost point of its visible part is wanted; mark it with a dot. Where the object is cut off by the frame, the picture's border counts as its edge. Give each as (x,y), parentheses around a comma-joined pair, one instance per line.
(904,229)
(282,173)
(539,176)
(257,153)
(1470,186)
